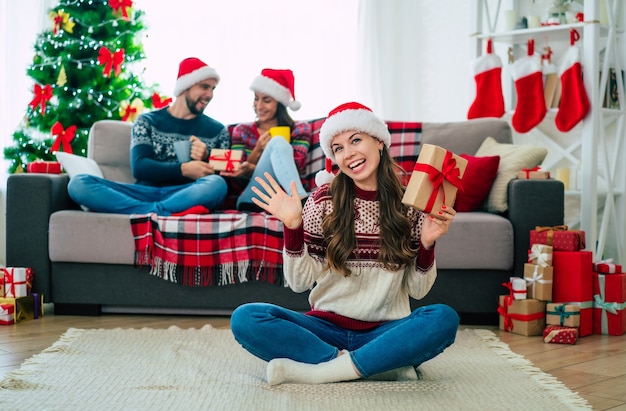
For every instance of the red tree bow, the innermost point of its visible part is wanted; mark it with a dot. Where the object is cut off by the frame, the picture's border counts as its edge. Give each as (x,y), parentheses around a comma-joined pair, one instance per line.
(160,102)
(42,95)
(111,60)
(121,5)
(64,138)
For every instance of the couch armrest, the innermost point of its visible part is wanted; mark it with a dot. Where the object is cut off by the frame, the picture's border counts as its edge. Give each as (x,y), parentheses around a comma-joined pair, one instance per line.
(532,203)
(31,198)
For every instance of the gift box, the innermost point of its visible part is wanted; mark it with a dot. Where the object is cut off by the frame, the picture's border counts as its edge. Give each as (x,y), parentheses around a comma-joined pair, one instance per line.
(516,287)
(23,307)
(533,174)
(46,167)
(540,254)
(538,281)
(559,237)
(563,314)
(6,314)
(607,267)
(435,179)
(609,295)
(523,317)
(37,305)
(556,334)
(15,281)
(573,284)
(225,160)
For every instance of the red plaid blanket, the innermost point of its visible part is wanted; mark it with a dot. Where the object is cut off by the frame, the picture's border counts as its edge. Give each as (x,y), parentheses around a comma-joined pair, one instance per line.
(231,247)
(211,249)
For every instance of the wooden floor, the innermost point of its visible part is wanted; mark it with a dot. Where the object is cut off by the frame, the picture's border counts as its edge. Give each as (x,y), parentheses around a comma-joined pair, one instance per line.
(595,367)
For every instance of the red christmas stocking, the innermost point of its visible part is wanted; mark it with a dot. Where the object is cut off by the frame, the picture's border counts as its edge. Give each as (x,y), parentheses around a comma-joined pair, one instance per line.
(574,104)
(531,105)
(487,71)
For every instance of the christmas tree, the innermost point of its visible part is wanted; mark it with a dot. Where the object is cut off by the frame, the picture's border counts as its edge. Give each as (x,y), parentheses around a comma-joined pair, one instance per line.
(84,69)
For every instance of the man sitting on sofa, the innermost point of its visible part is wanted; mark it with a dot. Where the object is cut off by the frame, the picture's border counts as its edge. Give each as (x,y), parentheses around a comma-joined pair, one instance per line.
(166,185)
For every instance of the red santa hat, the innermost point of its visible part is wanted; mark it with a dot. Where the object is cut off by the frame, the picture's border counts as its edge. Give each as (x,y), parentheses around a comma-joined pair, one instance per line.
(191,71)
(279,84)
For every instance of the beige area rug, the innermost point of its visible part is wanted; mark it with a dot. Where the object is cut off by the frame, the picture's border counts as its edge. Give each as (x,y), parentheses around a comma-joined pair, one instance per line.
(205,369)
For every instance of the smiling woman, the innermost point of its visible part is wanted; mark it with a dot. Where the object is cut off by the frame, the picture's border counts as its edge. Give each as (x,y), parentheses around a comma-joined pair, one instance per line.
(239,37)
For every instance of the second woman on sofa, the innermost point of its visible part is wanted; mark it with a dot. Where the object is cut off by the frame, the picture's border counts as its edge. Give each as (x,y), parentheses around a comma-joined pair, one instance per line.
(285,161)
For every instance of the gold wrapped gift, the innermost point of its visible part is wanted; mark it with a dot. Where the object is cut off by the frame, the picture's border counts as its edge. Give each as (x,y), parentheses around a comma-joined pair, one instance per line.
(225,160)
(538,281)
(523,317)
(566,315)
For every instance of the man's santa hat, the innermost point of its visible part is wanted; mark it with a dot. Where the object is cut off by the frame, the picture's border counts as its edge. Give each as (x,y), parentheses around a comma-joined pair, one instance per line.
(278,84)
(191,71)
(348,117)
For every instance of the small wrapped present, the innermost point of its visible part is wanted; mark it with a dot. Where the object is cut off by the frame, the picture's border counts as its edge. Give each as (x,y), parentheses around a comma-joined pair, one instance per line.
(225,160)
(45,167)
(534,173)
(607,267)
(538,281)
(559,237)
(573,284)
(6,314)
(555,334)
(523,317)
(563,314)
(609,295)
(15,281)
(540,254)
(37,305)
(23,307)
(435,179)
(516,287)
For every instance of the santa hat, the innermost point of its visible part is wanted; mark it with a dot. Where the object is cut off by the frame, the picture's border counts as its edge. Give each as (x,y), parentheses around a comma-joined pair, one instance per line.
(352,116)
(279,84)
(191,71)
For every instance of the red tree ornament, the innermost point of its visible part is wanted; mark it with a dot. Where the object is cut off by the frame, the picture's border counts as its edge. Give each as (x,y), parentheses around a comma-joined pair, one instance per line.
(121,6)
(64,137)
(159,101)
(42,95)
(110,60)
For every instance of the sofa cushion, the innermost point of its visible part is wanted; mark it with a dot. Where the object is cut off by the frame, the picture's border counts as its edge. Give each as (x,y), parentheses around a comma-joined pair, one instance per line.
(478,178)
(513,158)
(471,237)
(109,146)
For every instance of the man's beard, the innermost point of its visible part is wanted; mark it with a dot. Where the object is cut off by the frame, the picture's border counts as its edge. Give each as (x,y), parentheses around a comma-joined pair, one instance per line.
(192,106)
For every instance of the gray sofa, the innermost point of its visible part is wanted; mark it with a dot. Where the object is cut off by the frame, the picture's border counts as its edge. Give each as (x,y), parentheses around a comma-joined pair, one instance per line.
(84,262)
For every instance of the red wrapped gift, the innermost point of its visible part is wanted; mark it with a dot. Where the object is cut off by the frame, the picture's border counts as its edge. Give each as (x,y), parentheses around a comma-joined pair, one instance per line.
(225,160)
(556,334)
(607,267)
(609,294)
(435,179)
(6,314)
(46,167)
(573,284)
(559,237)
(523,317)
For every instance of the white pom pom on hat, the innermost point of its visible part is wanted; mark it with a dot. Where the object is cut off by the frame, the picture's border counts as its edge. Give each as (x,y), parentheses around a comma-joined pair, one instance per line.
(278,84)
(192,70)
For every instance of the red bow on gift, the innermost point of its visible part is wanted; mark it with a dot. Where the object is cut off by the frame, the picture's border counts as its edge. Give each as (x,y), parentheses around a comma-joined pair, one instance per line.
(230,166)
(42,95)
(503,311)
(111,60)
(122,5)
(449,171)
(160,102)
(529,170)
(64,138)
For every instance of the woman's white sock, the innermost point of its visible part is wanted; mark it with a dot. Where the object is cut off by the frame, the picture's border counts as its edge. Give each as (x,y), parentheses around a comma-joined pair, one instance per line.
(399,374)
(284,370)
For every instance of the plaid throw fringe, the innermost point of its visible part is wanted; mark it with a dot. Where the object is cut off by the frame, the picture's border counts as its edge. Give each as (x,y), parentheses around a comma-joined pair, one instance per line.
(211,249)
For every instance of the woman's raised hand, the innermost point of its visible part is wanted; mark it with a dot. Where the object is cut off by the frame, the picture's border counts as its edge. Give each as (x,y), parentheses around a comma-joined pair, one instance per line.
(287,208)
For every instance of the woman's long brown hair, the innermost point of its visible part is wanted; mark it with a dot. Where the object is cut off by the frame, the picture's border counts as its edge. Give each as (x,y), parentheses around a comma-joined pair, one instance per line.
(396,249)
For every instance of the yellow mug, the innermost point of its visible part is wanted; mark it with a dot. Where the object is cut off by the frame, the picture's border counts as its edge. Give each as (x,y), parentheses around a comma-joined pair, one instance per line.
(282,131)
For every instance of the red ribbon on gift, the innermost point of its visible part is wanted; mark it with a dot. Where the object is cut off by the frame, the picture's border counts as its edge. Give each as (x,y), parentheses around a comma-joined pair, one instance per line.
(111,60)
(9,285)
(64,138)
(508,318)
(529,170)
(230,165)
(42,95)
(449,171)
(160,102)
(121,5)
(512,292)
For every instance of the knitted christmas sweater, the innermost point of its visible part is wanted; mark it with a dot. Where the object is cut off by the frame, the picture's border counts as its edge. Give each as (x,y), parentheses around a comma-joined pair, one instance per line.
(371,294)
(152,157)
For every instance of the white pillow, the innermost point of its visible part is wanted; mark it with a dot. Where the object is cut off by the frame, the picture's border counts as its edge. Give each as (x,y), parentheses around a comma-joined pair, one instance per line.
(513,158)
(74,164)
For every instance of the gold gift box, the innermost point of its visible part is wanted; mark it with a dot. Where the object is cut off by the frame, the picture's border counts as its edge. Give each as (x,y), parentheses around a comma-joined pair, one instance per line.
(524,317)
(533,175)
(538,281)
(442,166)
(24,307)
(225,160)
(570,316)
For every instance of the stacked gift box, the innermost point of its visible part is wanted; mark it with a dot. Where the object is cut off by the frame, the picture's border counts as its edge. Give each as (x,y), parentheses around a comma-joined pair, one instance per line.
(609,298)
(17,302)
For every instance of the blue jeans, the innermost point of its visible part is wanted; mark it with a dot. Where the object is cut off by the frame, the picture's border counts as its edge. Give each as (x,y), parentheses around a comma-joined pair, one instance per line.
(269,331)
(105,196)
(277,159)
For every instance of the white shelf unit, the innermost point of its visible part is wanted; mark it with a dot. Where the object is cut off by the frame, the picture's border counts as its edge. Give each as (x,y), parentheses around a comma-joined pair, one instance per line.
(596,145)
